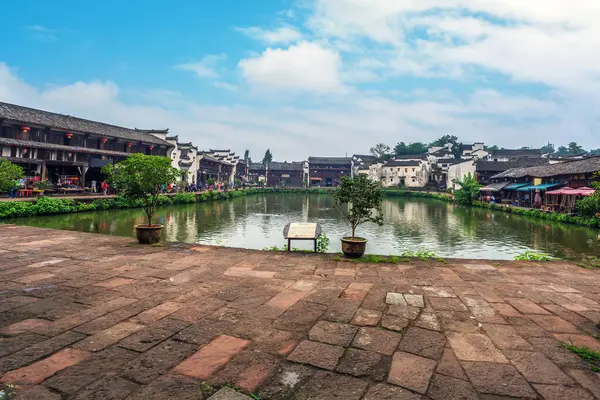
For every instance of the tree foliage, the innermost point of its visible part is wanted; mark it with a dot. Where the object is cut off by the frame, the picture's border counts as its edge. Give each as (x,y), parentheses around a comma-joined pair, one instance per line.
(9,172)
(381,151)
(492,148)
(142,177)
(360,200)
(468,191)
(572,149)
(411,148)
(590,206)
(449,139)
(268,158)
(548,149)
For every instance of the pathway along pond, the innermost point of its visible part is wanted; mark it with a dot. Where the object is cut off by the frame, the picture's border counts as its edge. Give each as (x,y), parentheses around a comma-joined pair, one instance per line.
(257,221)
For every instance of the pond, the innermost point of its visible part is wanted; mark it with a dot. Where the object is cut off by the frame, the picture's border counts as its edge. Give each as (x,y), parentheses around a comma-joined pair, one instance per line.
(257,221)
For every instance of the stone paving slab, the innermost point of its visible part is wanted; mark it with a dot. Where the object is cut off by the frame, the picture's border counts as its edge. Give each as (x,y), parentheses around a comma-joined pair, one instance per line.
(86,316)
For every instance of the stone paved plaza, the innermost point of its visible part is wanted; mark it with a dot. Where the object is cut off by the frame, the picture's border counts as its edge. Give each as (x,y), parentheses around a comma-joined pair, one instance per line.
(88,316)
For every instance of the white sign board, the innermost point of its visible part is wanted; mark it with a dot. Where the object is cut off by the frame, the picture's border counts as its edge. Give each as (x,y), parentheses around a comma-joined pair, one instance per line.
(302,231)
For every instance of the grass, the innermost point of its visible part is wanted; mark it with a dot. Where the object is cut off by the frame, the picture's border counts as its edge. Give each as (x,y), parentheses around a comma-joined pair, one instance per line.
(590,356)
(532,256)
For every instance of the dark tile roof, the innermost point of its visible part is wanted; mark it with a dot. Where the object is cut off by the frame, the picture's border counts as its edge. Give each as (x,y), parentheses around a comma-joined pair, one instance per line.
(330,160)
(448,160)
(172,137)
(516,153)
(163,131)
(256,166)
(51,146)
(466,147)
(584,166)
(219,151)
(499,166)
(68,123)
(411,157)
(402,163)
(285,166)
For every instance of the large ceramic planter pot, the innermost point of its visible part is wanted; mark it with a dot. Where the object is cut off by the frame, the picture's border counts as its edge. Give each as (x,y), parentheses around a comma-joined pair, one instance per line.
(353,247)
(148,234)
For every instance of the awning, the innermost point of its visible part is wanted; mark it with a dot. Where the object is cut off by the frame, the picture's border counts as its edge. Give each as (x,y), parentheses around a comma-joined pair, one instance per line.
(494,187)
(566,190)
(316,179)
(515,186)
(544,186)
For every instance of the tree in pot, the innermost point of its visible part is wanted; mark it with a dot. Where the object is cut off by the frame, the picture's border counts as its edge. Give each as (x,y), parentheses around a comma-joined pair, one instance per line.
(359,199)
(140,177)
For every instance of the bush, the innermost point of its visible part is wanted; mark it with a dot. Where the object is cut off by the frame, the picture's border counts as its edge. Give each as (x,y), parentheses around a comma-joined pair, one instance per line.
(184,198)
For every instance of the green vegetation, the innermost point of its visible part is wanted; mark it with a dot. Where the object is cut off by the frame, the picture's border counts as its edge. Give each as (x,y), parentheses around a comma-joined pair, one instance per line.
(141,178)
(7,391)
(9,172)
(592,358)
(359,199)
(590,206)
(469,189)
(420,254)
(532,256)
(592,222)
(322,243)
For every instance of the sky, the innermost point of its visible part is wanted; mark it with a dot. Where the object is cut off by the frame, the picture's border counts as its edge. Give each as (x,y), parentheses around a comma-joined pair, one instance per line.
(312,77)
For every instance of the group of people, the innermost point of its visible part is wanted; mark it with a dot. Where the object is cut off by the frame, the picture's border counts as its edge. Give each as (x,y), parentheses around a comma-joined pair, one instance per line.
(100,187)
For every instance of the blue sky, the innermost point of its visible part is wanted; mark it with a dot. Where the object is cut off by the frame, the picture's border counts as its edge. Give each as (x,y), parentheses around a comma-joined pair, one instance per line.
(312,77)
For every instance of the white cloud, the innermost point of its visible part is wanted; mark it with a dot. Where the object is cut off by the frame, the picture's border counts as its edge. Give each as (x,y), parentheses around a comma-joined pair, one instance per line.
(281,35)
(41,33)
(350,124)
(226,86)
(541,41)
(206,68)
(302,67)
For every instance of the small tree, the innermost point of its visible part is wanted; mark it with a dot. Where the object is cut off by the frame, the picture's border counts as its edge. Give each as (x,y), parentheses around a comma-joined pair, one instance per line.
(360,200)
(9,172)
(142,177)
(469,189)
(268,158)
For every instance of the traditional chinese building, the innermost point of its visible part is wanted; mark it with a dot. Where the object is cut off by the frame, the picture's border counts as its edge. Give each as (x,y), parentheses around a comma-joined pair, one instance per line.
(66,148)
(257,173)
(284,174)
(327,171)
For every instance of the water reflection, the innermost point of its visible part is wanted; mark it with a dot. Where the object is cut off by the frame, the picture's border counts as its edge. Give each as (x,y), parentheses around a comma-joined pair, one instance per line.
(257,221)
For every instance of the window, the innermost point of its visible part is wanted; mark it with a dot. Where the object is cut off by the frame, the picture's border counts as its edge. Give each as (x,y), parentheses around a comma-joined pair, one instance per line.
(413,170)
(405,169)
(398,169)
(391,180)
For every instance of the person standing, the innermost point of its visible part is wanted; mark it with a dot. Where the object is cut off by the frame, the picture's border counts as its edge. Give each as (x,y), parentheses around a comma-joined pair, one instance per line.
(104,187)
(93,184)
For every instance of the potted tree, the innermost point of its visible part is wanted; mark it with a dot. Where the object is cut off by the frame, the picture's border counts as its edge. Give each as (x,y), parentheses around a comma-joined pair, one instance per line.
(359,199)
(140,177)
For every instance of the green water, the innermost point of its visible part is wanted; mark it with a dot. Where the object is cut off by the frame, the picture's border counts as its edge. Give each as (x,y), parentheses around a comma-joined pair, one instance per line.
(257,221)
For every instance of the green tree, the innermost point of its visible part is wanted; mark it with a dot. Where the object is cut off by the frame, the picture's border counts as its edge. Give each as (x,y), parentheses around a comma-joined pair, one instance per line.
(590,206)
(469,189)
(492,148)
(548,149)
(359,199)
(575,149)
(411,148)
(562,151)
(381,151)
(9,172)
(141,177)
(268,157)
(449,139)
(444,140)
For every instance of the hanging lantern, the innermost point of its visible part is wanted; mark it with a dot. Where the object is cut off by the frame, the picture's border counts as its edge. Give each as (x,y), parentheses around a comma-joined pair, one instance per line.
(25,129)
(151,147)
(104,140)
(129,144)
(69,135)
(25,151)
(70,155)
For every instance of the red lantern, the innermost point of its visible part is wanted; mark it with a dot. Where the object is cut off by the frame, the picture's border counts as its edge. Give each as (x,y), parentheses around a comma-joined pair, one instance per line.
(25,151)
(70,155)
(151,147)
(69,135)
(129,144)
(104,140)
(25,129)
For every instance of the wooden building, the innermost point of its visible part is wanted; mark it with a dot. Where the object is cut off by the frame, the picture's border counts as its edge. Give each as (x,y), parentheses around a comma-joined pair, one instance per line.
(63,148)
(257,173)
(284,174)
(327,171)
(485,170)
